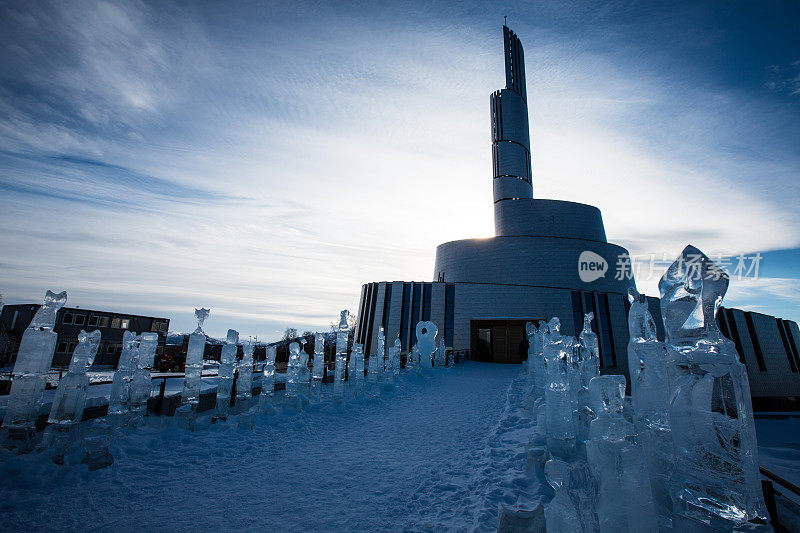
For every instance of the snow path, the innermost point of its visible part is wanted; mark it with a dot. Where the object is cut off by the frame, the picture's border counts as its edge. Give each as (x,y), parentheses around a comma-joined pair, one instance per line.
(440,452)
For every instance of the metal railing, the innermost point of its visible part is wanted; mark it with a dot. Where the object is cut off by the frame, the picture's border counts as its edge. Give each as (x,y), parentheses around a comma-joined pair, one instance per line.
(784,513)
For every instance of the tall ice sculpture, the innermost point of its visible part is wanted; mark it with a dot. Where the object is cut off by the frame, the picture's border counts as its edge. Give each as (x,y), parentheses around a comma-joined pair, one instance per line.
(34,358)
(426,343)
(141,384)
(193,378)
(650,392)
(119,403)
(318,370)
(342,333)
(268,381)
(244,386)
(227,374)
(716,474)
(624,502)
(558,403)
(70,398)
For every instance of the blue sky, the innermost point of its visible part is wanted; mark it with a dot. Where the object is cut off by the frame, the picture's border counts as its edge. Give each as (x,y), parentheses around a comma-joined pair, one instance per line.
(266,159)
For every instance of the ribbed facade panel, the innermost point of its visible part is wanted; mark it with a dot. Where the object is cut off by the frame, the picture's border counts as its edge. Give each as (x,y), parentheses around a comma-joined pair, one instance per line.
(510,188)
(482,301)
(511,159)
(535,261)
(549,218)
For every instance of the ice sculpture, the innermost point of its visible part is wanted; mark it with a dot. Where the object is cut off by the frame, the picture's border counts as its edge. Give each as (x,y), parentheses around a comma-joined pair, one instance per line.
(120,401)
(573,506)
(625,501)
(96,442)
(34,357)
(412,358)
(590,364)
(539,371)
(587,368)
(531,331)
(227,374)
(244,386)
(304,376)
(268,380)
(426,343)
(193,376)
(381,362)
(70,399)
(441,353)
(319,357)
(293,374)
(342,333)
(714,440)
(558,403)
(141,384)
(318,368)
(647,363)
(356,370)
(393,360)
(375,368)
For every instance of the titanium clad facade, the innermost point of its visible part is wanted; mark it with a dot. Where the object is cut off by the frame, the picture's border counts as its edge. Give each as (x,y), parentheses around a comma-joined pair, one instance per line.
(533,269)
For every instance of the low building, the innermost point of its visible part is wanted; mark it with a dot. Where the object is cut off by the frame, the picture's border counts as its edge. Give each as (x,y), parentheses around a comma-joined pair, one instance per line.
(71,320)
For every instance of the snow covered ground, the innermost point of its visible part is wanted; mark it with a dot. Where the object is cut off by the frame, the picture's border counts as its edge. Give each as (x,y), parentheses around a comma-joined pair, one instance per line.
(779,446)
(440,452)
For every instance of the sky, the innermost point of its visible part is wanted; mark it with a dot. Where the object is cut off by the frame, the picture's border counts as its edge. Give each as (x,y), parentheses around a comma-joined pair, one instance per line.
(265,159)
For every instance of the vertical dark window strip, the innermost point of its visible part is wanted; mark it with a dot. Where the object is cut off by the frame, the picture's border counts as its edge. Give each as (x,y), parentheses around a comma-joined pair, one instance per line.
(364,315)
(362,309)
(449,313)
(605,326)
(372,309)
(748,318)
(786,347)
(387,306)
(405,309)
(416,304)
(426,302)
(722,323)
(577,310)
(792,343)
(737,340)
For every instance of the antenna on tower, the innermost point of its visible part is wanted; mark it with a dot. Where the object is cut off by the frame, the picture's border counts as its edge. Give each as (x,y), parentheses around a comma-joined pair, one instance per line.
(505,20)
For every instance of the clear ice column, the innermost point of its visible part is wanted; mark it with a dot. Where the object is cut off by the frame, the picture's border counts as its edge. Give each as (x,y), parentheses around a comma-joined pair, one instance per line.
(34,358)
(227,375)
(558,403)
(342,333)
(70,399)
(625,503)
(293,375)
(119,404)
(393,361)
(441,353)
(268,380)
(193,378)
(141,384)
(650,390)
(588,368)
(318,370)
(716,473)
(244,385)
